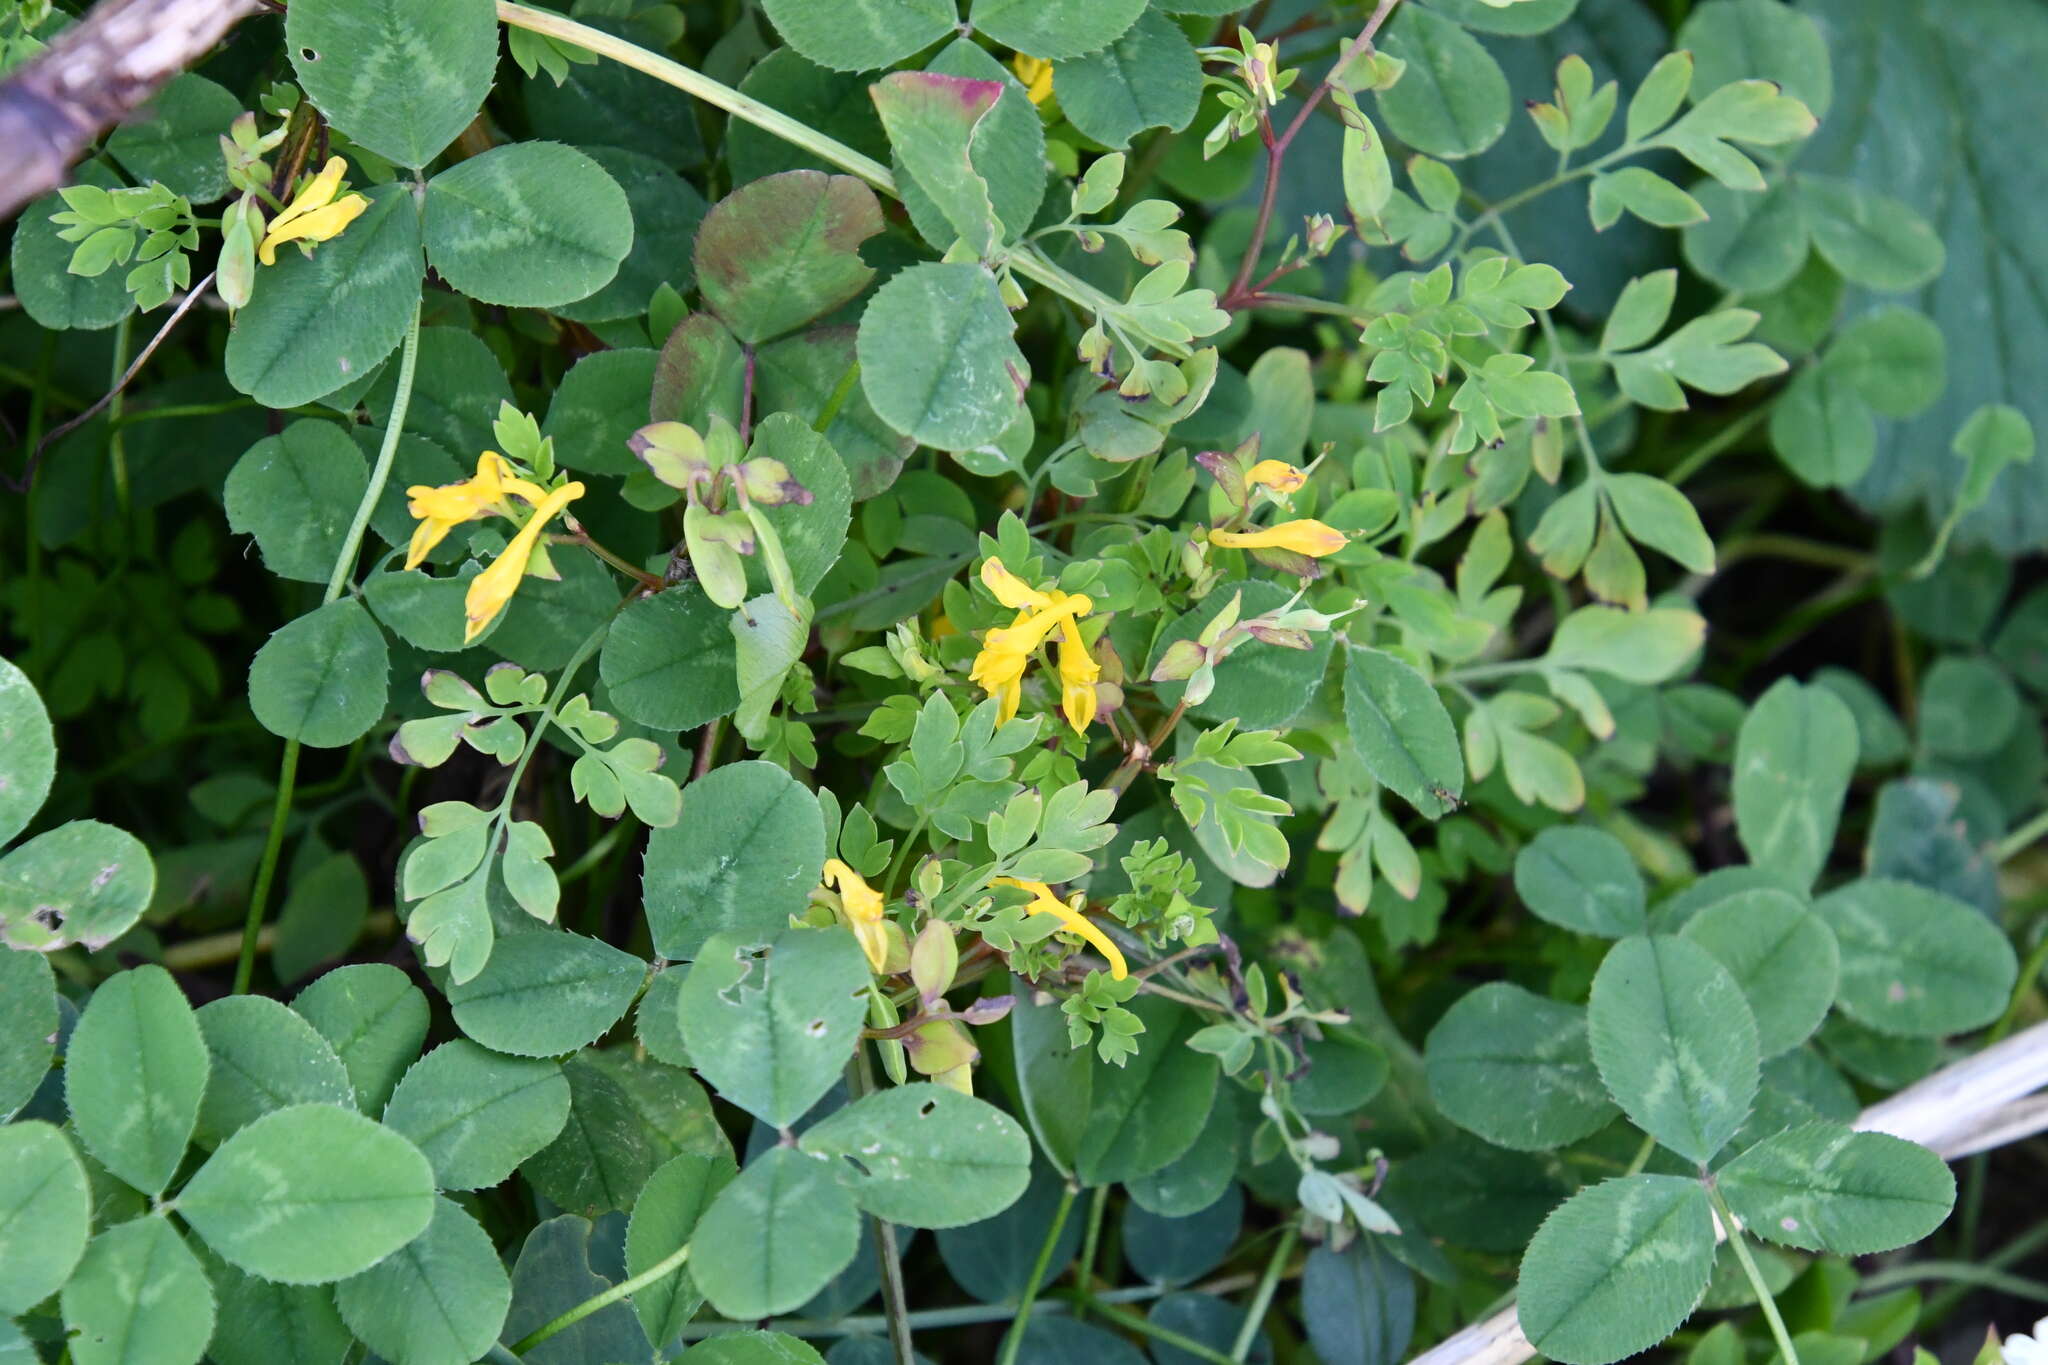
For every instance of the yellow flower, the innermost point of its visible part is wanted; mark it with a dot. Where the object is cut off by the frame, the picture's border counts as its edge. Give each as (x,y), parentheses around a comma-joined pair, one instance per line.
(316,215)
(1044,902)
(1005,650)
(863,906)
(490,590)
(1277,475)
(440,510)
(1305,537)
(1036,75)
(1078,674)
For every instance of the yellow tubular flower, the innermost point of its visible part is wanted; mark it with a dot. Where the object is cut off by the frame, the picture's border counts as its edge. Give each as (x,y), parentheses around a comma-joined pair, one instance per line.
(863,906)
(1305,537)
(1005,650)
(1010,590)
(1277,475)
(1078,675)
(1036,75)
(440,510)
(1044,902)
(490,590)
(315,215)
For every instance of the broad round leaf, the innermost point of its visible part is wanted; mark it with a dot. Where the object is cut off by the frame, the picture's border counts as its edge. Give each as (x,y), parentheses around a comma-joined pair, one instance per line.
(1759,39)
(770,1019)
(28,1027)
(114,1321)
(1616,1268)
(743,858)
(554,1275)
(317,323)
(785,249)
(626,1117)
(801,374)
(1149,78)
(1517,1069)
(262,1057)
(545,993)
(597,406)
(475,1114)
(321,679)
(782,1230)
(1674,1042)
(1967,708)
(82,882)
(133,1076)
(310,1194)
(45,1214)
(1055,29)
(1822,429)
(1401,731)
(925,1156)
(1873,239)
(1008,152)
(1582,879)
(938,360)
(666,211)
(668,661)
(813,533)
(255,1320)
(1781,954)
(1358,1304)
(529,225)
(993,1259)
(1261,686)
(374,1019)
(1452,101)
(28,751)
(1823,1187)
(440,1298)
(761,1348)
(664,1218)
(1197,1177)
(861,35)
(1896,361)
(1147,1112)
(1753,243)
(176,138)
(402,79)
(1181,1250)
(1794,756)
(50,294)
(1915,962)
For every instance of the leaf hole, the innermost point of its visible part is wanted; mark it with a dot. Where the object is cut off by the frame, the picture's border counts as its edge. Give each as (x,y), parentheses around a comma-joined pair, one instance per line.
(307,54)
(49,916)
(925,1110)
(815,1029)
(855,1162)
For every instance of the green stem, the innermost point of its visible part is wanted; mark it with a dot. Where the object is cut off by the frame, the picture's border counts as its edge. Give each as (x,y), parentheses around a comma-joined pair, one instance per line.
(1955,1272)
(595,1302)
(1642,1157)
(902,857)
(1125,1318)
(1013,1340)
(1091,1242)
(841,391)
(400,401)
(2030,972)
(266,871)
(1717,445)
(2017,842)
(1262,1297)
(1764,1299)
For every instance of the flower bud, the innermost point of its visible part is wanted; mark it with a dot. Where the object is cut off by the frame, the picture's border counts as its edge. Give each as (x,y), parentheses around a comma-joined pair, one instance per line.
(1179,661)
(933,960)
(940,1046)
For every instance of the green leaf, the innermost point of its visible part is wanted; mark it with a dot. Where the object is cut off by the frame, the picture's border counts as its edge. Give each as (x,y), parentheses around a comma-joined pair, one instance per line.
(1616,1268)
(529,225)
(554,1275)
(666,212)
(1149,78)
(1358,1304)
(134,1072)
(1872,239)
(1794,756)
(924,1156)
(322,916)
(813,533)
(28,751)
(1739,39)
(1782,956)
(1055,30)
(262,1057)
(1516,1069)
(860,35)
(1644,193)
(257,1322)
(1996,435)
(38,261)
(401,81)
(1707,354)
(756,1348)
(175,139)
(1645,647)
(1915,962)
(321,679)
(1583,880)
(1823,1187)
(664,1218)
(310,1194)
(114,1321)
(626,1117)
(439,1299)
(545,993)
(1008,150)
(1823,429)
(1261,686)
(1751,243)
(326,320)
(1967,707)
(931,119)
(667,660)
(938,359)
(477,1115)
(82,882)
(770,1019)
(45,1214)
(1452,100)
(783,1228)
(743,858)
(375,1020)
(1894,359)
(1674,1042)
(28,1027)
(1657,515)
(775,254)
(1401,731)
(1749,111)
(597,406)
(801,374)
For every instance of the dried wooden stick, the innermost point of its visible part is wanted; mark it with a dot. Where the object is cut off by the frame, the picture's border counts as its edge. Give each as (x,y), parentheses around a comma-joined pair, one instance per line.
(1981,1102)
(93,75)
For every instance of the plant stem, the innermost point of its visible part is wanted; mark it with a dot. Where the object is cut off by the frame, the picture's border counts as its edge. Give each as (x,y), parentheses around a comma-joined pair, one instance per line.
(2017,842)
(895,1302)
(1262,1297)
(1718,444)
(1764,1298)
(1125,1318)
(1091,1242)
(266,870)
(902,856)
(622,1289)
(1013,1340)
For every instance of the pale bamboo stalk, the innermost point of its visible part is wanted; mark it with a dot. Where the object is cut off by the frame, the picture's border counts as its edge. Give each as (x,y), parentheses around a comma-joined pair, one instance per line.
(1981,1102)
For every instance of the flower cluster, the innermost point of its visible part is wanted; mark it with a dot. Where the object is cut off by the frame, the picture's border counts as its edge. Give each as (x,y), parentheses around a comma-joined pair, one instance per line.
(488,493)
(999,668)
